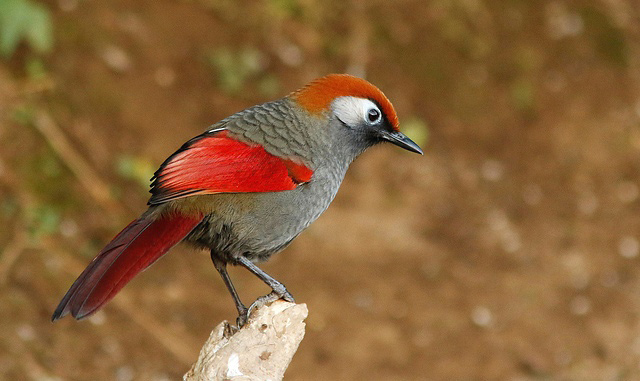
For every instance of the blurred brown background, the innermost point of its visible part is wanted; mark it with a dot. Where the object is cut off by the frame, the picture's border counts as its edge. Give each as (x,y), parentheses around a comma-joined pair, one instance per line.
(509,251)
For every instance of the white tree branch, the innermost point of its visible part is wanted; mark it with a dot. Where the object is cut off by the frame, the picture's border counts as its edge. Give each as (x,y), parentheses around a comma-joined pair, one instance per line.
(261,350)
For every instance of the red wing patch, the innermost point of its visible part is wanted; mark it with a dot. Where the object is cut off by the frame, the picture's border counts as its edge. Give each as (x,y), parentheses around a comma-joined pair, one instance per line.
(216,163)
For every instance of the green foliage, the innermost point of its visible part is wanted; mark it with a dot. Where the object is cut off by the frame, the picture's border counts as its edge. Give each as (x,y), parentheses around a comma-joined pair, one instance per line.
(42,220)
(416,129)
(8,207)
(610,41)
(23,114)
(22,20)
(35,69)
(135,168)
(235,68)
(269,86)
(45,175)
(523,95)
(285,8)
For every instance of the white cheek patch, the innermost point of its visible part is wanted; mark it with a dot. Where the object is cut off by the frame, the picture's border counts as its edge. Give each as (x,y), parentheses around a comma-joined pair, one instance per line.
(352,111)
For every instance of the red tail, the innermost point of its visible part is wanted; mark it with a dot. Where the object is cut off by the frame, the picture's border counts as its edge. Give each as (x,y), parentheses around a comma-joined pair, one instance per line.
(134,249)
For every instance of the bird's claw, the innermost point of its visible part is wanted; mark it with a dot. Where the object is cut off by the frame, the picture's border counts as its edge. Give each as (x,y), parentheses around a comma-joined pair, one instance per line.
(270,298)
(281,293)
(229,330)
(243,317)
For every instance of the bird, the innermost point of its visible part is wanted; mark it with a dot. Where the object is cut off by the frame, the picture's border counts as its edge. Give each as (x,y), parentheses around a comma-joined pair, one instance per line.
(246,187)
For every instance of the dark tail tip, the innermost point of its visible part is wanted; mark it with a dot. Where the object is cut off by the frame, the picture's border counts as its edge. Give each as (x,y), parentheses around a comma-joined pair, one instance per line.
(61,310)
(57,315)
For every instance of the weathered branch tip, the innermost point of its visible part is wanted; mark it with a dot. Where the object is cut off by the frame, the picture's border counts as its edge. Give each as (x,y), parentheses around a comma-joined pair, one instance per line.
(261,350)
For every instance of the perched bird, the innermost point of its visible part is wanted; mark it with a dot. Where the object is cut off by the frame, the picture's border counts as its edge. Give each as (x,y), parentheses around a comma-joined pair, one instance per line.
(246,187)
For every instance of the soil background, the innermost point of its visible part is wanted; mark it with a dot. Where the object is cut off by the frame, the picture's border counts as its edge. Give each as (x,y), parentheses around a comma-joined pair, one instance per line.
(509,251)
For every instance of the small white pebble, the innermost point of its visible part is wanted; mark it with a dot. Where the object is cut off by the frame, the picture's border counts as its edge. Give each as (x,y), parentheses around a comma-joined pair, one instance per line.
(492,170)
(561,22)
(53,264)
(482,316)
(26,332)
(111,346)
(363,299)
(498,220)
(588,203)
(574,261)
(165,76)
(580,305)
(291,55)
(116,58)
(99,318)
(629,247)
(576,266)
(511,241)
(68,228)
(124,373)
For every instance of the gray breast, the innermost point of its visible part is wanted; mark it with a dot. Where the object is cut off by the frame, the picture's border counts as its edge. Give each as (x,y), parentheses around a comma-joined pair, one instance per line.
(265,225)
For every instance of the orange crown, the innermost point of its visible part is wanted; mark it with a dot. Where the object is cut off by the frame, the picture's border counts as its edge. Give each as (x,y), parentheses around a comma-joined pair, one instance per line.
(318,95)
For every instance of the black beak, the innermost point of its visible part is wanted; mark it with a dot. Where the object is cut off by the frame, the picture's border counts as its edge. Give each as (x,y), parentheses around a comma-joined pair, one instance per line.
(402,141)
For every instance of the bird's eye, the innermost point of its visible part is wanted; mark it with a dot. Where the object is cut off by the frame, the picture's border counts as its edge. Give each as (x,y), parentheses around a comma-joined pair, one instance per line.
(373,115)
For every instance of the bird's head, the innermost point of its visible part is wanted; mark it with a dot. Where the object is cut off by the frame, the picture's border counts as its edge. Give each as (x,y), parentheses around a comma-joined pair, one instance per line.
(355,106)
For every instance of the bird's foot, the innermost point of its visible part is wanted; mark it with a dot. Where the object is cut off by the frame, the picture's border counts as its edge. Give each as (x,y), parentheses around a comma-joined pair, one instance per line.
(229,330)
(242,319)
(243,315)
(279,293)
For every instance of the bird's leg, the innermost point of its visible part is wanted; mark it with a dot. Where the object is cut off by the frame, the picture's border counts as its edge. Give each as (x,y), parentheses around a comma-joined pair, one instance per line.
(243,311)
(279,290)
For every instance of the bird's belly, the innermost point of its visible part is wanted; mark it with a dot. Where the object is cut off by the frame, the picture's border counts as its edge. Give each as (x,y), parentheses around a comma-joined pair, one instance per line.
(258,225)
